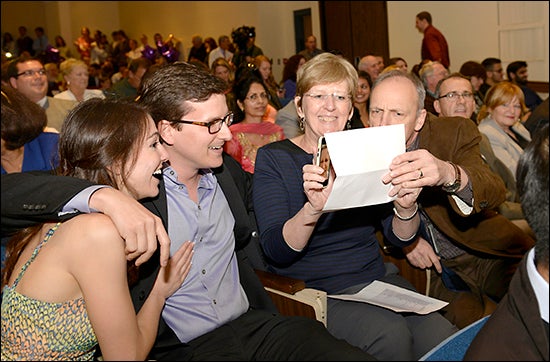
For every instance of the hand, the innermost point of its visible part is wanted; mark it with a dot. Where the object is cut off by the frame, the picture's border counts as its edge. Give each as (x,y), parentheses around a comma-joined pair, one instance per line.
(421,255)
(313,187)
(171,277)
(418,168)
(140,229)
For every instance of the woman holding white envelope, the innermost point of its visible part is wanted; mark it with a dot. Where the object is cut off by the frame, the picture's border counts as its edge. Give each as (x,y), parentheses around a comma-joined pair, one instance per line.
(337,251)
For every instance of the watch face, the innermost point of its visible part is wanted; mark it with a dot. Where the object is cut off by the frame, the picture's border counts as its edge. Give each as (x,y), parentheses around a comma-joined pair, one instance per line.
(452,188)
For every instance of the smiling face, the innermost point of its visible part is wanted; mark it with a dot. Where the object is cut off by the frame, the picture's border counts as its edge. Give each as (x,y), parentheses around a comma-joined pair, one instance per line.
(78,77)
(508,113)
(325,108)
(143,178)
(34,86)
(193,147)
(363,91)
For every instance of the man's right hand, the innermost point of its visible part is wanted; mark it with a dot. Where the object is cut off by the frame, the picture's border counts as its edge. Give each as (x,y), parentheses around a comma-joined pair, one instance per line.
(140,228)
(421,255)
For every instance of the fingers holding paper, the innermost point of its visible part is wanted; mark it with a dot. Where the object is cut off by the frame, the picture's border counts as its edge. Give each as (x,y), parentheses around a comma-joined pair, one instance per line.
(316,193)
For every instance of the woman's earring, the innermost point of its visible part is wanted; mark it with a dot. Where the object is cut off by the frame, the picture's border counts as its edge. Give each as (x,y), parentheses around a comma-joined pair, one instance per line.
(301,123)
(348,124)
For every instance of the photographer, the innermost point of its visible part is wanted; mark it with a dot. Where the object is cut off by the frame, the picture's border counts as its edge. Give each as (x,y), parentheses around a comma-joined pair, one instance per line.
(244,37)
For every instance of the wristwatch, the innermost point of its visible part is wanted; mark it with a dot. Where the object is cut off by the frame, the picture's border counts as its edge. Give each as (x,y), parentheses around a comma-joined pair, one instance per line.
(453,187)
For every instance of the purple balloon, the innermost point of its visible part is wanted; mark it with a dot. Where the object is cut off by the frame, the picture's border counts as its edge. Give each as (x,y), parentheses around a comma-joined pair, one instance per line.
(52,55)
(149,53)
(171,55)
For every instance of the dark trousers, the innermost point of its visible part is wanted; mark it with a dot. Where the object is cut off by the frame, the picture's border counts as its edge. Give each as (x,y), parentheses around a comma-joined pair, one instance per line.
(487,278)
(261,336)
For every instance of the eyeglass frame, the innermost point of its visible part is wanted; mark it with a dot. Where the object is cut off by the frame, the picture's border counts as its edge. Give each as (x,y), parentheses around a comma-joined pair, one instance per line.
(30,73)
(451,95)
(227,119)
(324,97)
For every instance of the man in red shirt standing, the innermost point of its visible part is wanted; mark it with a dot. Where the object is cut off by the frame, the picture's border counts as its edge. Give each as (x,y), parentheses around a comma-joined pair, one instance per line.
(434,44)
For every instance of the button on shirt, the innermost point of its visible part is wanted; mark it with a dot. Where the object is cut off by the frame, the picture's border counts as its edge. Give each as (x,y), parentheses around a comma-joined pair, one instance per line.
(211,294)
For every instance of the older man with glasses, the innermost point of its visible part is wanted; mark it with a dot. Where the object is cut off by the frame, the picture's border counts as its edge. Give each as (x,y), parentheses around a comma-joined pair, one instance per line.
(28,76)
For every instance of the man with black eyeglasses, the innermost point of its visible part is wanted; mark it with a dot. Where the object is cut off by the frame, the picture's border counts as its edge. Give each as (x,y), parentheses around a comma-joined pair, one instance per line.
(221,311)
(28,76)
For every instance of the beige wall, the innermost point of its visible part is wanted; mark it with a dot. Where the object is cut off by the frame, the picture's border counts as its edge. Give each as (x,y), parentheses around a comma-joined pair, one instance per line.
(471,28)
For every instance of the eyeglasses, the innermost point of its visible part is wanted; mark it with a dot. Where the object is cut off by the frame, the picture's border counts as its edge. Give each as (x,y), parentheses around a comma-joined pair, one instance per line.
(453,96)
(213,126)
(256,97)
(30,73)
(321,98)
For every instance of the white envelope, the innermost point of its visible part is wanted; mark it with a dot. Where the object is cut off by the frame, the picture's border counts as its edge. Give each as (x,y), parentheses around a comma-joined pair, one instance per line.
(360,157)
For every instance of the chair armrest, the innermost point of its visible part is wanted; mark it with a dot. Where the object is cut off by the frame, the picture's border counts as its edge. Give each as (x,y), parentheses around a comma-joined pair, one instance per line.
(279,282)
(292,298)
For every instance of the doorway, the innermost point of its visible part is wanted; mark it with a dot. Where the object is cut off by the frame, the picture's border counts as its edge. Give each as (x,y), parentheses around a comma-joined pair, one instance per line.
(302,28)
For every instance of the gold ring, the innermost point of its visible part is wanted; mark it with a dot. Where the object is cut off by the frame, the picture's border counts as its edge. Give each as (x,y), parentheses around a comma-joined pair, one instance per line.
(421,174)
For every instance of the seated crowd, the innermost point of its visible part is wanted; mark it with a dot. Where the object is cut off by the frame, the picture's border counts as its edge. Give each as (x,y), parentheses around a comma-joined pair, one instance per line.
(159,173)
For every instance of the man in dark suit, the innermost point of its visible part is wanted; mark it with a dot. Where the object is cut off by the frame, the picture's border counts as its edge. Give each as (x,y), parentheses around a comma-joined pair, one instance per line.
(221,311)
(518,329)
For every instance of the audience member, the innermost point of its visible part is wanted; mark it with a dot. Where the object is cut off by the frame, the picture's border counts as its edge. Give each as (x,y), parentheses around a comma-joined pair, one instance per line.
(310,49)
(250,132)
(245,37)
(462,104)
(517,74)
(263,64)
(288,119)
(400,63)
(500,120)
(288,82)
(222,69)
(9,47)
(94,74)
(81,274)
(538,118)
(337,252)
(26,143)
(369,64)
(360,116)
(128,86)
(84,44)
(473,249)
(135,50)
(121,73)
(24,42)
(40,42)
(518,329)
(198,50)
(28,76)
(434,45)
(430,74)
(121,48)
(55,79)
(210,44)
(222,51)
(494,72)
(75,73)
(235,318)
(65,51)
(477,74)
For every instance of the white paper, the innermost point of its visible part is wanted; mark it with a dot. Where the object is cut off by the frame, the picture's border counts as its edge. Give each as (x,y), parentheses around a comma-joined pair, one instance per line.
(360,157)
(395,298)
